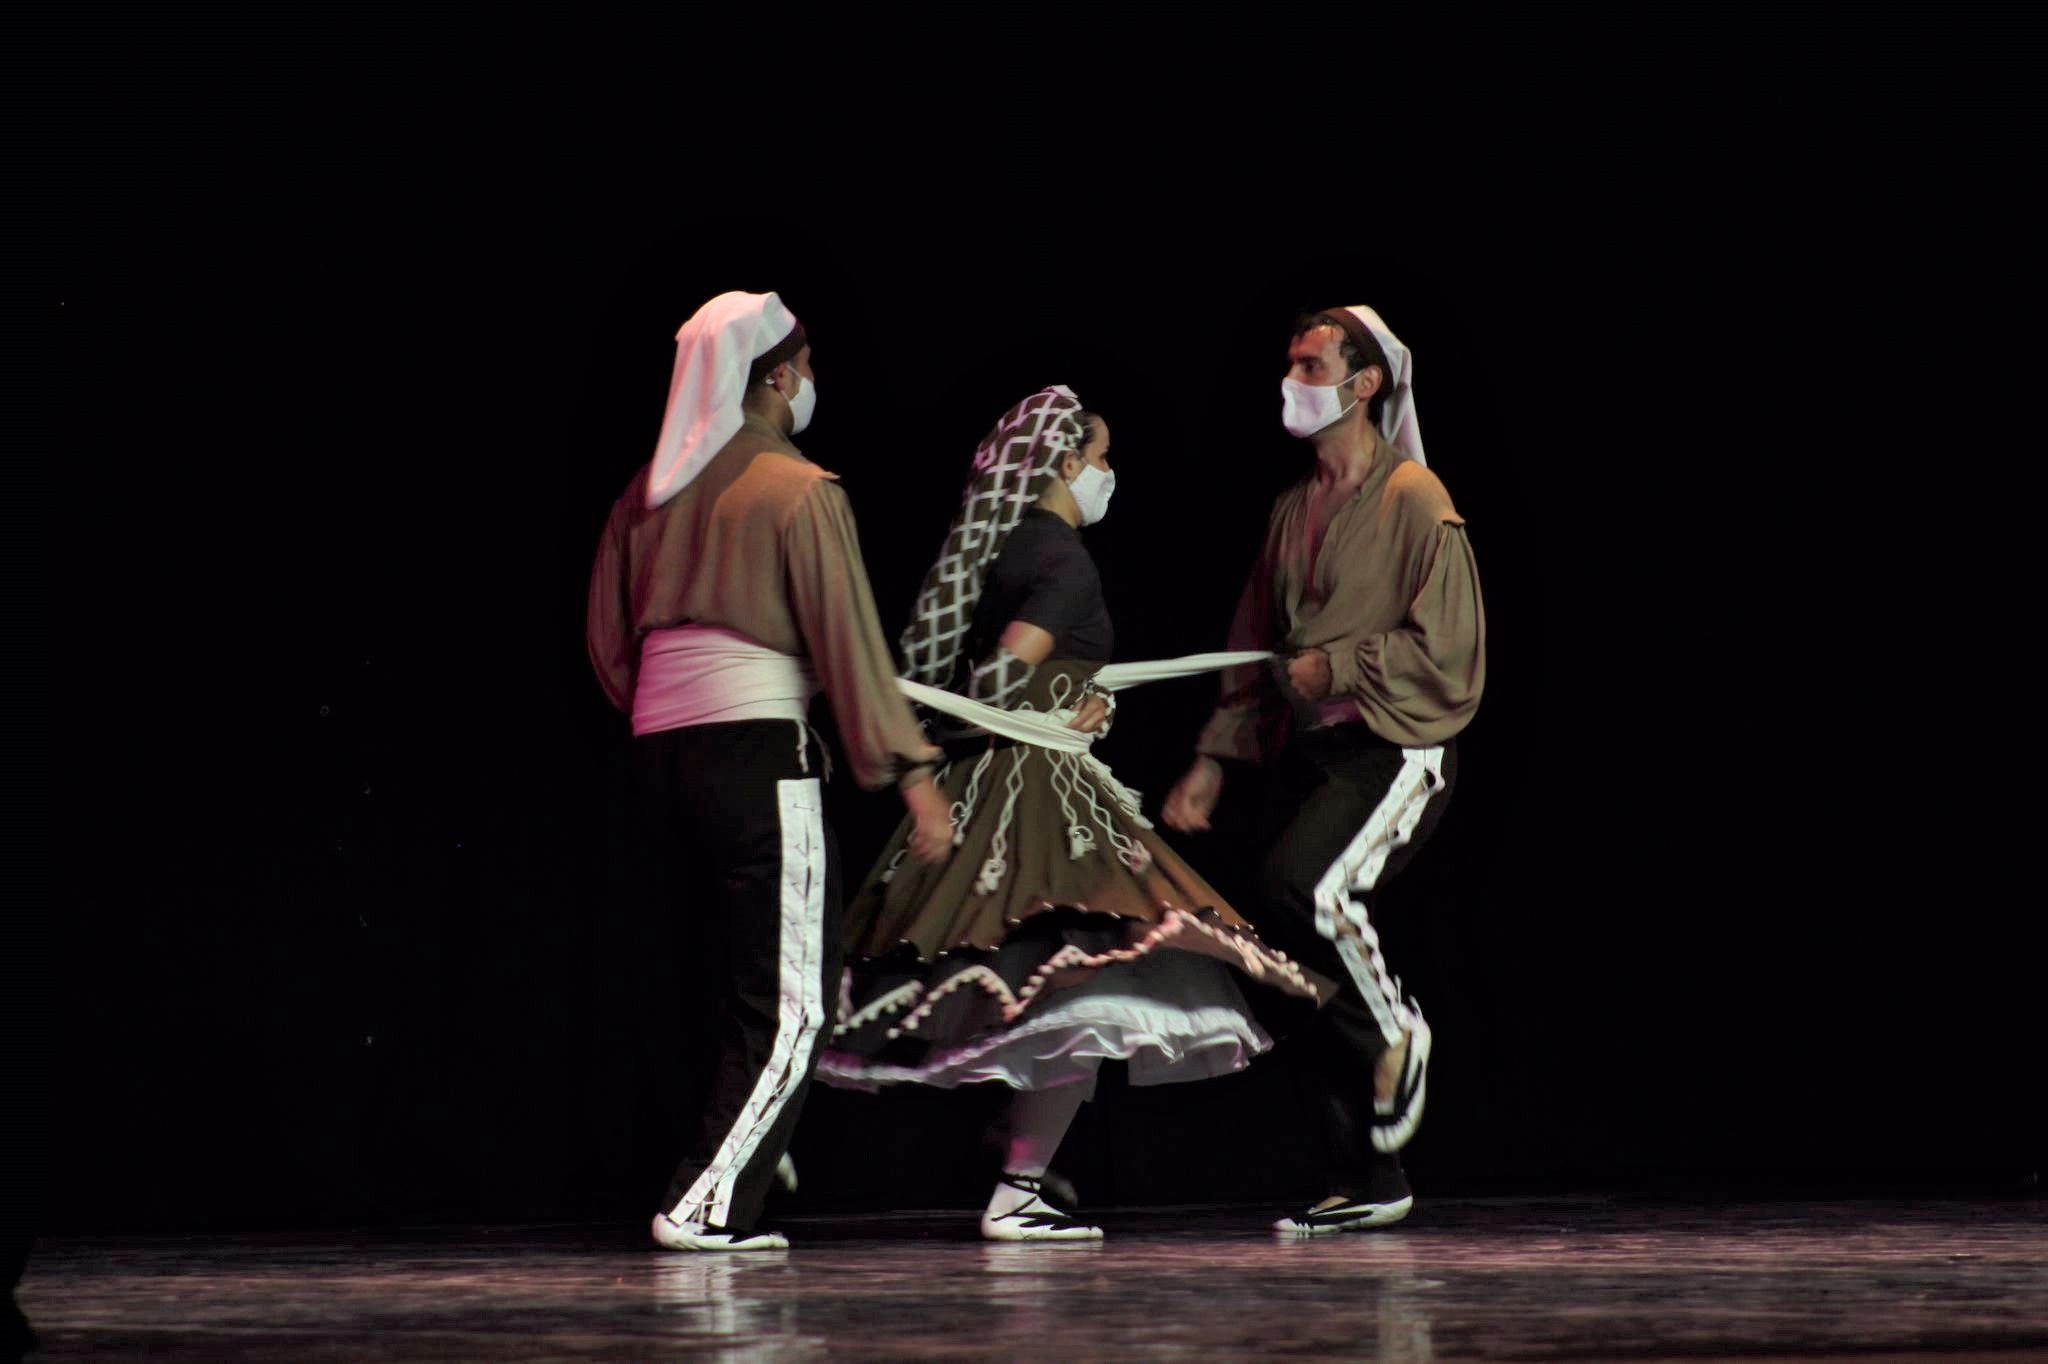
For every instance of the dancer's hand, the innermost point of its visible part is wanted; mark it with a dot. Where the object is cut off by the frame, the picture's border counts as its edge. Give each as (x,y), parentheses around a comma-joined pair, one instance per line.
(931,830)
(1193,798)
(1308,672)
(1092,715)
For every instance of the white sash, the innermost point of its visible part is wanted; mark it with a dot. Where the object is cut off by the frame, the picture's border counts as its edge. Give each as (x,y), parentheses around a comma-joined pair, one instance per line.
(1048,729)
(701,675)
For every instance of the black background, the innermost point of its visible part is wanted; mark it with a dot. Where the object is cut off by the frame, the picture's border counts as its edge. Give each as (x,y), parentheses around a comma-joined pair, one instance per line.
(358,329)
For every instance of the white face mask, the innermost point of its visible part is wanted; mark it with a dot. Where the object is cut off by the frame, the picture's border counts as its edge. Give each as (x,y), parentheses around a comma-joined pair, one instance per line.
(1091,489)
(1307,408)
(804,404)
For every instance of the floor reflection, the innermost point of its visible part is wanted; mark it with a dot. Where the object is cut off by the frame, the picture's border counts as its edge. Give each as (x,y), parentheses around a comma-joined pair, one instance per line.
(1498,1279)
(733,1306)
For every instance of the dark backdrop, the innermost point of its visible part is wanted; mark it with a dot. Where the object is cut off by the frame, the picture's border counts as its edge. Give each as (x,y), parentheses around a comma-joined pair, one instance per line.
(359,329)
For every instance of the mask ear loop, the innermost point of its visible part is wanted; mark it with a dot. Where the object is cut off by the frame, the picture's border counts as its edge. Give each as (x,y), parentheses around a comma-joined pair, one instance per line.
(1355,399)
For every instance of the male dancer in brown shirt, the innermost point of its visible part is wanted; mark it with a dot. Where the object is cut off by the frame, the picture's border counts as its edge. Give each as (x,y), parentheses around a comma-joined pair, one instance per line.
(1367,590)
(728,590)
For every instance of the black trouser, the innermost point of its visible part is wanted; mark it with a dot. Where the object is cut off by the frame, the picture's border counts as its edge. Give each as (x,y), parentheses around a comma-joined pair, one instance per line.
(1346,810)
(740,851)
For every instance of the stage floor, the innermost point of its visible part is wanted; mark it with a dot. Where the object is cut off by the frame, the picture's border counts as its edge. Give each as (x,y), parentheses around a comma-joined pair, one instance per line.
(1502,1279)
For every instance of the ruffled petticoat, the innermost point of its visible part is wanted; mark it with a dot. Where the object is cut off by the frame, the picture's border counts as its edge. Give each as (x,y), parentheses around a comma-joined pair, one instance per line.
(1061,932)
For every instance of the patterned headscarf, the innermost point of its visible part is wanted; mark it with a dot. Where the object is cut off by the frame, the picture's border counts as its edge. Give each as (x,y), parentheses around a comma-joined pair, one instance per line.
(1012,467)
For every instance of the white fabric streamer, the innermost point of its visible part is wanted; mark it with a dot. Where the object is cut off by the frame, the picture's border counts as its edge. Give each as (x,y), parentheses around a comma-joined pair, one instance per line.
(1049,730)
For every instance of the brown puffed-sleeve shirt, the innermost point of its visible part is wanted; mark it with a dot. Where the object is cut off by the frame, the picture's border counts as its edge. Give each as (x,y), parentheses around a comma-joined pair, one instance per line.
(761,543)
(1394,600)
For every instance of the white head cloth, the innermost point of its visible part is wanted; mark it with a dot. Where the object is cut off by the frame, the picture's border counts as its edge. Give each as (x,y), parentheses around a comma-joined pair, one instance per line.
(1398,422)
(714,351)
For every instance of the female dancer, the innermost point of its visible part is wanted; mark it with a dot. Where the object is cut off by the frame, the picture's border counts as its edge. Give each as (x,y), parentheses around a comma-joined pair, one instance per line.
(1061,931)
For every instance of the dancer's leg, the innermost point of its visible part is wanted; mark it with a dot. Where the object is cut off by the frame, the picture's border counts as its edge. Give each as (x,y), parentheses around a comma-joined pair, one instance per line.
(1349,811)
(769,877)
(1020,1209)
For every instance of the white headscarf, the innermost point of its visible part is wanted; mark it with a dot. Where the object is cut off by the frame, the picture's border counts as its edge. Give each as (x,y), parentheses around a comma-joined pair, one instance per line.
(714,351)
(1398,422)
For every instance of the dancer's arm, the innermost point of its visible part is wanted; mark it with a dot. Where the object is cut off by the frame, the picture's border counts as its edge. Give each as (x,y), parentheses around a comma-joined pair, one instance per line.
(835,613)
(1046,589)
(1240,726)
(1237,728)
(1003,677)
(1423,678)
(608,624)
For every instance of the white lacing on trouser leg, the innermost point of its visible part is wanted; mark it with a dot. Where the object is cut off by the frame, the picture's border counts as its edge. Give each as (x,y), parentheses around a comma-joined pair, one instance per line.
(1340,916)
(800,1003)
(804,733)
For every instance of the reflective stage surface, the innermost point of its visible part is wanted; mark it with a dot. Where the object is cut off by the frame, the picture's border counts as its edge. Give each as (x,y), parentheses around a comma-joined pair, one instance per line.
(1510,1279)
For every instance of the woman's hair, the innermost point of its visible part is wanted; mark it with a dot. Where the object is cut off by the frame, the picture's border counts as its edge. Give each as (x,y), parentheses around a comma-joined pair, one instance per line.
(1087,418)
